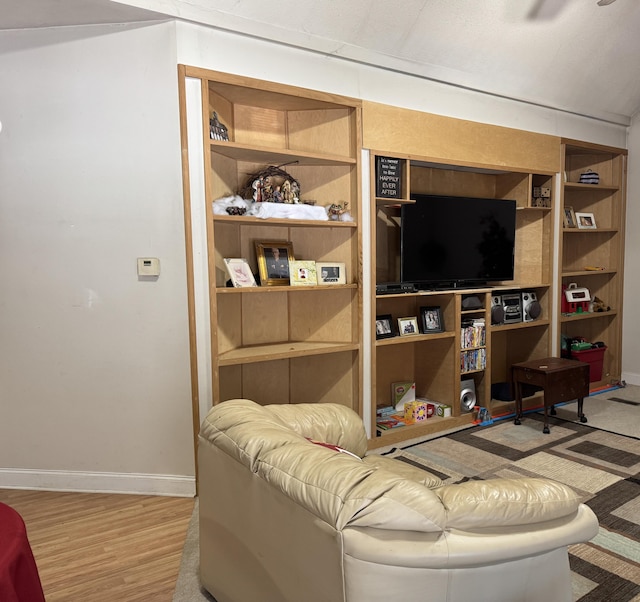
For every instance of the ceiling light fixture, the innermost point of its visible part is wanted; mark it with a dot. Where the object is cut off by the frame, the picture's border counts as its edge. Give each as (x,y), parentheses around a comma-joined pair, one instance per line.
(605,2)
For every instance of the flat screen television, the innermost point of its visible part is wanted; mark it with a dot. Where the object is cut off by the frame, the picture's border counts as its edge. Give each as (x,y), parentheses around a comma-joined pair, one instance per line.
(456,242)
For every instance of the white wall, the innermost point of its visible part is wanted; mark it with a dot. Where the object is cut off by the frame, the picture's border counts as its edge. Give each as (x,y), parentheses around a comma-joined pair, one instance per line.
(94,364)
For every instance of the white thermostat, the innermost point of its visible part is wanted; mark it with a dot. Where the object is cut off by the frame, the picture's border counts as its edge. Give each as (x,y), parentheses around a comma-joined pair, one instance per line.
(148,266)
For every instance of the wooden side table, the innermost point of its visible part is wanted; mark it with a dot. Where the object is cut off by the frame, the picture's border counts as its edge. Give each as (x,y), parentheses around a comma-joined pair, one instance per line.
(562,380)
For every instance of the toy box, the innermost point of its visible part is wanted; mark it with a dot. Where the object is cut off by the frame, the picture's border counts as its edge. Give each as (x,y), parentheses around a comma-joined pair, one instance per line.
(418,411)
(401,393)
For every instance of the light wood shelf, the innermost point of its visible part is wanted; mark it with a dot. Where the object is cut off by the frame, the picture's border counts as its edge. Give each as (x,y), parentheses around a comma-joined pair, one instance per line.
(602,246)
(277,351)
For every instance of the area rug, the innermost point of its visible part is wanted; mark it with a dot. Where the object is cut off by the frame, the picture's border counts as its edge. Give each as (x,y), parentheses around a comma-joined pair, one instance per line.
(602,467)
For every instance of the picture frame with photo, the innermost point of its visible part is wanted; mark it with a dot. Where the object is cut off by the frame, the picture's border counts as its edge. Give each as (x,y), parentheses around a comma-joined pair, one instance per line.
(331,272)
(586,221)
(569,218)
(431,319)
(303,273)
(273,258)
(408,326)
(384,327)
(239,272)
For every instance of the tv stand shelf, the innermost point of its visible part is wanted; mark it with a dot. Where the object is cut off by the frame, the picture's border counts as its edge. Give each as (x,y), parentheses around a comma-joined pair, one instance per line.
(438,363)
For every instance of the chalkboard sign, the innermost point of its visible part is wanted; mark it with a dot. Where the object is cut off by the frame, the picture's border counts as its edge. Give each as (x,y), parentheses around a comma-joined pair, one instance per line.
(389,177)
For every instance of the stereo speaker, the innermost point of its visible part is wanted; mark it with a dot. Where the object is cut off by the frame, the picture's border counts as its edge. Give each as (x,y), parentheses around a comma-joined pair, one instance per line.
(497,310)
(531,308)
(467,395)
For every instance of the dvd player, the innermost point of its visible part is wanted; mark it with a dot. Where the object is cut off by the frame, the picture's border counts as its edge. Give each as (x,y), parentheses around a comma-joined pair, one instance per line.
(388,288)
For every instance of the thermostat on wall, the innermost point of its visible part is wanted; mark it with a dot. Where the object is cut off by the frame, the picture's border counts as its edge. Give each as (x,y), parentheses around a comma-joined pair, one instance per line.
(148,266)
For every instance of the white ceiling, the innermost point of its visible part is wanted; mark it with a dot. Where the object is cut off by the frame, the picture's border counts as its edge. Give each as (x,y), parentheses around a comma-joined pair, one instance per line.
(571,55)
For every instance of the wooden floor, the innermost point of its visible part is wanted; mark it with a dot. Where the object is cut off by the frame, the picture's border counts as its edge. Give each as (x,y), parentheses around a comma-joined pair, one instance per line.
(104,547)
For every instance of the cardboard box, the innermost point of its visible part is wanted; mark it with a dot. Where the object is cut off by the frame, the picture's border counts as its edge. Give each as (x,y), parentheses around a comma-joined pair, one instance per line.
(418,411)
(442,410)
(401,393)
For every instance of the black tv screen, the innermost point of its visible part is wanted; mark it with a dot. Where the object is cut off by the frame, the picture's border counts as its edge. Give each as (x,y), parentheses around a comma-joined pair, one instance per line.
(449,242)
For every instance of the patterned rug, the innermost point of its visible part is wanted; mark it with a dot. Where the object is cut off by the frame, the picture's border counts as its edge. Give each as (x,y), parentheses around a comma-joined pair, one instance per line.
(602,467)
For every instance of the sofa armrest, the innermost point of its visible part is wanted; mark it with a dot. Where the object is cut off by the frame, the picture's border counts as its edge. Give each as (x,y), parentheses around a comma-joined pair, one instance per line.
(506,502)
(327,422)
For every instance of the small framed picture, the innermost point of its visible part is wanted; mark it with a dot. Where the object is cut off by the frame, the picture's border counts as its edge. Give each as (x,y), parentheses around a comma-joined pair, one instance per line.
(303,273)
(569,219)
(586,221)
(384,327)
(431,319)
(408,326)
(331,272)
(239,272)
(273,261)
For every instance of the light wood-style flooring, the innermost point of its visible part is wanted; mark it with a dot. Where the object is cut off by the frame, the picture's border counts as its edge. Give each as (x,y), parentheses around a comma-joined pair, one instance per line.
(104,547)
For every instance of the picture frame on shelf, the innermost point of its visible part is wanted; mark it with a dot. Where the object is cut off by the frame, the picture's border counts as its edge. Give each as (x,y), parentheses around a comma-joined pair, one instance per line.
(331,272)
(239,272)
(303,273)
(431,319)
(569,219)
(408,326)
(384,327)
(586,221)
(274,257)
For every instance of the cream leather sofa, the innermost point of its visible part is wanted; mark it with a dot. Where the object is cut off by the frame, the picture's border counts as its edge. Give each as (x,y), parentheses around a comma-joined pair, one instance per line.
(285,519)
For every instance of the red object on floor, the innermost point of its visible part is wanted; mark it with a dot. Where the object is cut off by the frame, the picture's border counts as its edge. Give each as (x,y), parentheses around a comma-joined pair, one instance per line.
(19,579)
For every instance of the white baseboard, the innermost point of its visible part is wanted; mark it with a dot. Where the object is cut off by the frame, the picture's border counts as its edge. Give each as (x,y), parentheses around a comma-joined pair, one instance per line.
(97,482)
(631,378)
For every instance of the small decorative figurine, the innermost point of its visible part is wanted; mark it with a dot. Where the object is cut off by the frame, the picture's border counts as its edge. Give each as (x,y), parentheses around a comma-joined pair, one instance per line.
(217,131)
(335,211)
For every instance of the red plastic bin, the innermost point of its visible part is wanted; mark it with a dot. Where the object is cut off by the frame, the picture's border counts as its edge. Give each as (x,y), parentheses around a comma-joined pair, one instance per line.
(595,358)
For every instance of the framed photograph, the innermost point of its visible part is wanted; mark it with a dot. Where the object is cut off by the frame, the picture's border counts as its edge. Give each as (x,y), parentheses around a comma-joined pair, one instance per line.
(408,326)
(239,272)
(431,319)
(303,273)
(384,327)
(586,221)
(273,261)
(569,219)
(331,272)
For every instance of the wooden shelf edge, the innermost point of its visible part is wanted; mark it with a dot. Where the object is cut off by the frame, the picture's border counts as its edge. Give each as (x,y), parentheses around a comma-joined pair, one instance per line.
(517,325)
(238,151)
(433,425)
(590,230)
(273,221)
(384,201)
(278,351)
(231,290)
(581,273)
(414,338)
(587,315)
(578,185)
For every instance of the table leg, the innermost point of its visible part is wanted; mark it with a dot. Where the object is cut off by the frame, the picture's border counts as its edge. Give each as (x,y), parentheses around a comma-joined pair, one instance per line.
(581,415)
(518,403)
(545,430)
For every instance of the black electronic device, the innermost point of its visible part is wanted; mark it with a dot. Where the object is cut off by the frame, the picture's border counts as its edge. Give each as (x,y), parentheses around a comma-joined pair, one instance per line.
(457,242)
(389,288)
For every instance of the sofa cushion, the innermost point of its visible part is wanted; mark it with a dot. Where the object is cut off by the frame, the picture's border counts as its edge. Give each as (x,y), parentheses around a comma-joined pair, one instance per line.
(506,502)
(404,470)
(344,491)
(327,422)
